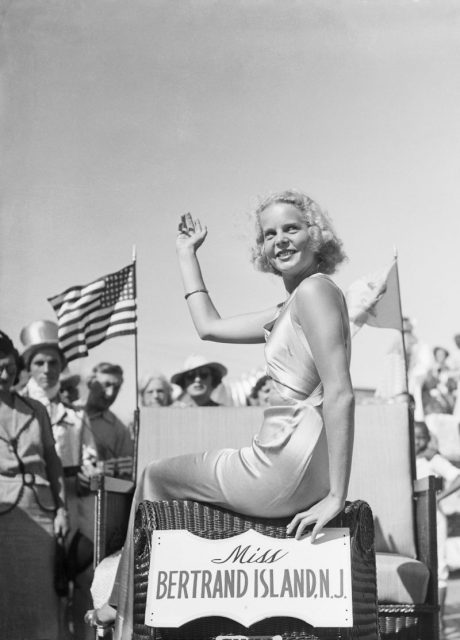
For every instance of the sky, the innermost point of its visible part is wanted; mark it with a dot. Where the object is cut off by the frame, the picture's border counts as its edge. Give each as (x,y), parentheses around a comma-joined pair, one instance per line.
(117,117)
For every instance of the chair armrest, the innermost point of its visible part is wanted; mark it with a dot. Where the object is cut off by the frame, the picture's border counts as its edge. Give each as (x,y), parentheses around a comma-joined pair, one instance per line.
(108,483)
(425,524)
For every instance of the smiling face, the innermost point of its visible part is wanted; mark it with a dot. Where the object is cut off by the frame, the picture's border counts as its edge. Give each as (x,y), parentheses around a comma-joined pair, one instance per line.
(286,241)
(45,367)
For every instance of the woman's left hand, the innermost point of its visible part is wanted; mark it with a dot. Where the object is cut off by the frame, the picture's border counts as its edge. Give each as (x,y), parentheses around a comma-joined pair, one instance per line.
(191,234)
(321,513)
(61,523)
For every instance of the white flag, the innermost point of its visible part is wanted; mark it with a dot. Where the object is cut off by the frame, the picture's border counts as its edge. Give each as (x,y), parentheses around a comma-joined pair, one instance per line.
(375,300)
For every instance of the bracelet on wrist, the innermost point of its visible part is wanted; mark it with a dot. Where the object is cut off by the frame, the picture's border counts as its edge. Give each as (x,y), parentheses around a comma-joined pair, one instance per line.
(187,295)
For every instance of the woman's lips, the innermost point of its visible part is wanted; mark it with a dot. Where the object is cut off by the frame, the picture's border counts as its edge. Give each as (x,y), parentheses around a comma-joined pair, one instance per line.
(285,254)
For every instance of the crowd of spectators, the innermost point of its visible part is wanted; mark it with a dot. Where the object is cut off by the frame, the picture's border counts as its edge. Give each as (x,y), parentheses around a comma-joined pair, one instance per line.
(431,375)
(440,385)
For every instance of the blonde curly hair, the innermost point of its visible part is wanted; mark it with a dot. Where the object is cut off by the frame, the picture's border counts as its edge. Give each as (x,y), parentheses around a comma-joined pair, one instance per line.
(325,243)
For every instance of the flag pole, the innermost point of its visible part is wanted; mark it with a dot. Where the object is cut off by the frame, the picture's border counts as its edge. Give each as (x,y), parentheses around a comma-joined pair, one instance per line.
(136,377)
(406,364)
(411,410)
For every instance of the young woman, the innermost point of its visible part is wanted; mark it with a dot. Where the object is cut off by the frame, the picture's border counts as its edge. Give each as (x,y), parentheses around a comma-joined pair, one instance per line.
(299,463)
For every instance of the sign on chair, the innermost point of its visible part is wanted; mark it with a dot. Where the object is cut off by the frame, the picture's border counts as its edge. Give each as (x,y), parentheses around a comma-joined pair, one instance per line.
(249,577)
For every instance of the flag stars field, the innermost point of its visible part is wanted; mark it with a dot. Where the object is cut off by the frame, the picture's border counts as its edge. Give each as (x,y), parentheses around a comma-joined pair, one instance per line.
(118,286)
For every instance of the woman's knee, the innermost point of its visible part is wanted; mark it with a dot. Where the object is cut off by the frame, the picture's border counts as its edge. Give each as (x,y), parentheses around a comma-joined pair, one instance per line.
(150,477)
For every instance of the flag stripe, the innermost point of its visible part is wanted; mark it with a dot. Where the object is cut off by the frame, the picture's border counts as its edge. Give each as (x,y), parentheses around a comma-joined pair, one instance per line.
(94,314)
(74,293)
(90,314)
(85,310)
(95,337)
(79,290)
(81,351)
(96,327)
(112,330)
(96,324)
(83,303)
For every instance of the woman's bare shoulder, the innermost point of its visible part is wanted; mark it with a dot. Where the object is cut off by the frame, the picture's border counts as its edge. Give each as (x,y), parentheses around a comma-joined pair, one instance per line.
(318,286)
(318,300)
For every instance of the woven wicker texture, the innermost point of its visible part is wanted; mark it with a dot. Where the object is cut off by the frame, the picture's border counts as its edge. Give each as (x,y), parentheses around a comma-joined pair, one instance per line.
(402,621)
(215,523)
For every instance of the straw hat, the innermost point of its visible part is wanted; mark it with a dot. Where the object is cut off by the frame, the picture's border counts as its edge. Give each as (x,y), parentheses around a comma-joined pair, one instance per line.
(38,335)
(196,362)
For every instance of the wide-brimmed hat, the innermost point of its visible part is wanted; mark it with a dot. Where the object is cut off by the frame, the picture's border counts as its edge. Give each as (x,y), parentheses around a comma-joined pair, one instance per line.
(37,335)
(196,362)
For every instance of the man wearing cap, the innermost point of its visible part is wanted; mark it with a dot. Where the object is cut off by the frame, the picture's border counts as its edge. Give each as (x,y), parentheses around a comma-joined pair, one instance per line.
(198,379)
(73,437)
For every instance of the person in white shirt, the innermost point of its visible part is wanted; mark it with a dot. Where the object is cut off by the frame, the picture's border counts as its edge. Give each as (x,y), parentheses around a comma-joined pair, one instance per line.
(431,463)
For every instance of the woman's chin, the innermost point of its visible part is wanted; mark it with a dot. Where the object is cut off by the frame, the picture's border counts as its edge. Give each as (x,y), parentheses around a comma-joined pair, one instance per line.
(289,268)
(284,265)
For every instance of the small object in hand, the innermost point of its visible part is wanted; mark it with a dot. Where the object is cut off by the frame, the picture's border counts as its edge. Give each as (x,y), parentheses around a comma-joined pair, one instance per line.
(182,226)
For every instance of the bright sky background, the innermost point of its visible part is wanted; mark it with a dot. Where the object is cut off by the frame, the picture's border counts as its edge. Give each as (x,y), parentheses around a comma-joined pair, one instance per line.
(116,117)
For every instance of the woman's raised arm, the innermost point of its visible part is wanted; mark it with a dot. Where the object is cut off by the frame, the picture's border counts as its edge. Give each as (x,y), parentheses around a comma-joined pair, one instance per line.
(321,315)
(247,328)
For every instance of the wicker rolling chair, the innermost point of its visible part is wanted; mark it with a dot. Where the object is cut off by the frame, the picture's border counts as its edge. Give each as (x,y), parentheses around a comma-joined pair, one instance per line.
(215,523)
(404,510)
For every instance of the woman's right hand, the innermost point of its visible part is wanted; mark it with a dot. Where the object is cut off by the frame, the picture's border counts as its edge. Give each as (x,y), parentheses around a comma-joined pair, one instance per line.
(61,522)
(191,234)
(320,513)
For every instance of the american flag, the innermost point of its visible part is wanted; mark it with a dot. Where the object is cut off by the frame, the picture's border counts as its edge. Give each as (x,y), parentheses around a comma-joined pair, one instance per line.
(92,313)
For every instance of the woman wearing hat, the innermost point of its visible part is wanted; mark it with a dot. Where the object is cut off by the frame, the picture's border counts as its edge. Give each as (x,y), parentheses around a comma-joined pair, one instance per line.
(198,379)
(32,510)
(299,463)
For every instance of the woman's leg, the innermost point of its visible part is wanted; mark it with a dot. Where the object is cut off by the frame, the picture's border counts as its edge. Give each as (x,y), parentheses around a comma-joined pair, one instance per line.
(192,477)
(248,480)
